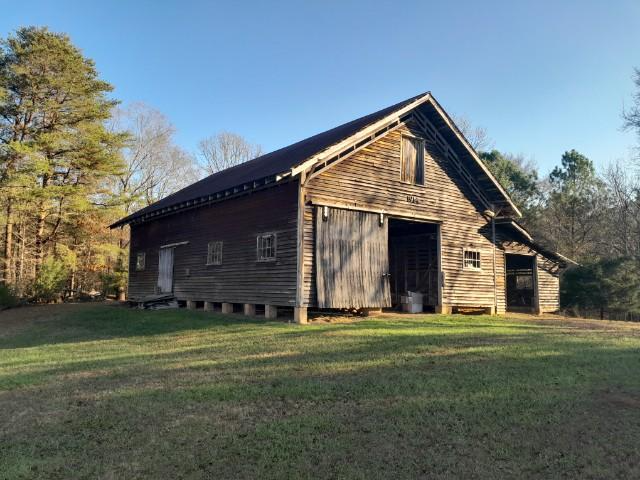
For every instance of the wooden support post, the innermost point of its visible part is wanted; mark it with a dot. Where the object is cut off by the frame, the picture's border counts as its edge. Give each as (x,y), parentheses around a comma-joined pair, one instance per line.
(444,309)
(299,311)
(300,315)
(227,307)
(270,312)
(191,304)
(249,309)
(208,306)
(490,310)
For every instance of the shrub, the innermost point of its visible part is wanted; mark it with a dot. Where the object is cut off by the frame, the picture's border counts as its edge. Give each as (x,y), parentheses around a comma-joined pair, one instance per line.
(610,285)
(51,280)
(112,282)
(7,298)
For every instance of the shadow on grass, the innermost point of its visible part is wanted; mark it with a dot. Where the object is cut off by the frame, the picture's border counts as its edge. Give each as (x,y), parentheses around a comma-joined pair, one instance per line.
(111,322)
(104,323)
(250,356)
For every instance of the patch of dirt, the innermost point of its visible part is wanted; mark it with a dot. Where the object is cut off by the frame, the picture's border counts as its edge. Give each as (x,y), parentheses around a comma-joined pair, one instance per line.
(547,320)
(609,400)
(613,326)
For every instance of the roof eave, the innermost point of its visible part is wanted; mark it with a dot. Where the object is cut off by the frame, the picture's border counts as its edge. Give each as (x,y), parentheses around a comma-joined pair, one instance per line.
(231,192)
(475,156)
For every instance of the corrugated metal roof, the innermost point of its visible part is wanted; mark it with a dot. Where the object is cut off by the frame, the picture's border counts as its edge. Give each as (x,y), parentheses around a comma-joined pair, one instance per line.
(271,164)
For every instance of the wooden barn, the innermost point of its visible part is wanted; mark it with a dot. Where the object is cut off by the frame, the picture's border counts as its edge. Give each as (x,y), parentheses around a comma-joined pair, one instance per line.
(355,217)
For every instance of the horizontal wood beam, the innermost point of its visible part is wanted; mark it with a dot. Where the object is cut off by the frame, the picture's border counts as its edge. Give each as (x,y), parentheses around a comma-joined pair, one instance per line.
(409,215)
(177,244)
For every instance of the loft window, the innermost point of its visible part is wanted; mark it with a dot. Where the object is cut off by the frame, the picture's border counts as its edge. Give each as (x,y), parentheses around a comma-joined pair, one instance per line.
(140,261)
(471,260)
(214,253)
(266,247)
(412,160)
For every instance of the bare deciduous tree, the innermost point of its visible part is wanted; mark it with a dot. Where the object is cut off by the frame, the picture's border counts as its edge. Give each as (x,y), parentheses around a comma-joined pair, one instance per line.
(225,149)
(478,137)
(623,192)
(155,166)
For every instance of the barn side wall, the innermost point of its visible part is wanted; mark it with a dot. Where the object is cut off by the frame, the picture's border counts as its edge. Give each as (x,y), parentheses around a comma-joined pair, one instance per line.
(236,222)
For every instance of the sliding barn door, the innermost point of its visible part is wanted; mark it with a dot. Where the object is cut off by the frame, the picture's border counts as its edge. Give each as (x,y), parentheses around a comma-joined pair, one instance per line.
(352,260)
(165,270)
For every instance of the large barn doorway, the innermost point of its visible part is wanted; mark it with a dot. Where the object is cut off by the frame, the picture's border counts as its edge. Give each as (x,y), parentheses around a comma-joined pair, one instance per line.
(413,260)
(352,259)
(521,282)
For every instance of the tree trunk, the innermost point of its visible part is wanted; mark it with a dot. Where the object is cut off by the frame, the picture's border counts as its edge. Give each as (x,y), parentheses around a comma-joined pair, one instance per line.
(8,246)
(73,283)
(39,243)
(21,260)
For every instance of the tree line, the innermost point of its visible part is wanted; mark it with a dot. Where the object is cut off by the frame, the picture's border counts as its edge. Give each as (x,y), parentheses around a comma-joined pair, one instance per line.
(73,160)
(589,216)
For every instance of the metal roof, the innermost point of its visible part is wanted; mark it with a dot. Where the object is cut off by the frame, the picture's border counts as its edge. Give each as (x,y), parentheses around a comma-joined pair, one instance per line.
(268,165)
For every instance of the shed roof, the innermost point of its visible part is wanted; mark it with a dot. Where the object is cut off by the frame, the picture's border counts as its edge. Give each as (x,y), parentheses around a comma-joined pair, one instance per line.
(523,234)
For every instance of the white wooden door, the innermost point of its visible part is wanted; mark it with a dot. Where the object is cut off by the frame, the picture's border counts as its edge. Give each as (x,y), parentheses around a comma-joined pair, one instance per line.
(165,270)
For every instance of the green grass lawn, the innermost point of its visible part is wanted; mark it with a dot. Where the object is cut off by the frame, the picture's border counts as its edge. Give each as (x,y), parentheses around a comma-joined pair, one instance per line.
(93,391)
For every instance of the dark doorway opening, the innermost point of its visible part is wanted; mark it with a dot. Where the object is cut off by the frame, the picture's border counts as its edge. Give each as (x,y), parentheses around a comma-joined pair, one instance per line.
(520,282)
(413,260)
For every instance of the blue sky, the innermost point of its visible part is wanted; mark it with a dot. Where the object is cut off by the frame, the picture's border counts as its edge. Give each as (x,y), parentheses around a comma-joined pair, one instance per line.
(542,76)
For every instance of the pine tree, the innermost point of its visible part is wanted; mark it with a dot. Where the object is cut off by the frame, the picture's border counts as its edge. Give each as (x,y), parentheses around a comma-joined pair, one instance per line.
(573,213)
(518,179)
(55,151)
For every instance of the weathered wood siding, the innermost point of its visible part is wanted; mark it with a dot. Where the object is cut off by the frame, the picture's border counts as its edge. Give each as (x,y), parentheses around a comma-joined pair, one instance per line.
(548,285)
(370,180)
(309,296)
(236,222)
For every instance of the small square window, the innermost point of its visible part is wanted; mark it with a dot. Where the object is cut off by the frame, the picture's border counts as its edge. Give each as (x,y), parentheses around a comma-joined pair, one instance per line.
(266,247)
(214,253)
(471,260)
(140,261)
(412,160)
